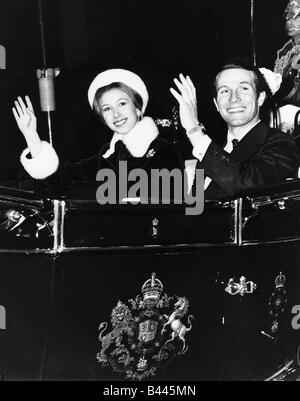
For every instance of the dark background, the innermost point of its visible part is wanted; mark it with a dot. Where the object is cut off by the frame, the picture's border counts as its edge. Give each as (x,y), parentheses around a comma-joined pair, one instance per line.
(157,39)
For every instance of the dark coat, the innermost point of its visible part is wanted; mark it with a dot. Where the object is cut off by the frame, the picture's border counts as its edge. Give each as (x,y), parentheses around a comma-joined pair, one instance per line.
(160,154)
(263,157)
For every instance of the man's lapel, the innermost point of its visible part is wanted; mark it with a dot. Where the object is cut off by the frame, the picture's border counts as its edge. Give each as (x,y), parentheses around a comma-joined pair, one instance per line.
(249,143)
(245,148)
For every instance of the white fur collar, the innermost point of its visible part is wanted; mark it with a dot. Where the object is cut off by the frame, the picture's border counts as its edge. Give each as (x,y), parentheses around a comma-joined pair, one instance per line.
(138,140)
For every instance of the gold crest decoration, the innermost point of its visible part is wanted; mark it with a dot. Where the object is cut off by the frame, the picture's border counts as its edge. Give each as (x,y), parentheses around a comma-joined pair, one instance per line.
(147,334)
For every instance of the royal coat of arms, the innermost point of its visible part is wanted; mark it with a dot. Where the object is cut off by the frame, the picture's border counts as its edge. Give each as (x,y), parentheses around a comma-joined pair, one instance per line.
(147,334)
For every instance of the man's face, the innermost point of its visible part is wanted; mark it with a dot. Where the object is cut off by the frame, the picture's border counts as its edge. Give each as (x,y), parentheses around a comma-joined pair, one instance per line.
(292,19)
(236,99)
(292,26)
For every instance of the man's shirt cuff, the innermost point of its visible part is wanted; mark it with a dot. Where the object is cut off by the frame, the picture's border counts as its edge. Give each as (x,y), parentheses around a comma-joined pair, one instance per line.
(200,143)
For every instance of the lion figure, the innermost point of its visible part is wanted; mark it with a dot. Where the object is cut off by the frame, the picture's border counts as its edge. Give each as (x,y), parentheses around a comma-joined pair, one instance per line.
(120,319)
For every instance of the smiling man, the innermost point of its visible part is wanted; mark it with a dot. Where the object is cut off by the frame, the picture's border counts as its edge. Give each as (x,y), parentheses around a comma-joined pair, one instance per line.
(254,154)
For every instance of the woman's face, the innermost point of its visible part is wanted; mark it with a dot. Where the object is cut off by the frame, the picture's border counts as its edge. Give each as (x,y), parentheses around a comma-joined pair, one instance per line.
(118,111)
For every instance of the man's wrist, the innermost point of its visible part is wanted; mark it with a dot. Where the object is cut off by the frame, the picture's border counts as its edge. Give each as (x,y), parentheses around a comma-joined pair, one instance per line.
(199,127)
(199,140)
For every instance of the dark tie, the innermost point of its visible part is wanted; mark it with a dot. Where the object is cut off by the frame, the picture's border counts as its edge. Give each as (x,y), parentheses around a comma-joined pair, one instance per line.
(234,142)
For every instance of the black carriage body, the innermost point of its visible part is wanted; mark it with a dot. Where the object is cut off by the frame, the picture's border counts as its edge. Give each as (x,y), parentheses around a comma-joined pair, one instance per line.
(66,263)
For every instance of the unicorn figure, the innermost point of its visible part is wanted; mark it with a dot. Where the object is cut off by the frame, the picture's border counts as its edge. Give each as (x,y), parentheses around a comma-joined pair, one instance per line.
(179,329)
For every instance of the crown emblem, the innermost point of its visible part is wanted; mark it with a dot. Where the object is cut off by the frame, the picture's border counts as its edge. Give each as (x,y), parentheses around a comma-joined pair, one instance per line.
(152,289)
(146,335)
(280,281)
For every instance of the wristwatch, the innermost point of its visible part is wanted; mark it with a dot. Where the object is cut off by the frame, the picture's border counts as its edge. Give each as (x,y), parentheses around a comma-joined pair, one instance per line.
(198,127)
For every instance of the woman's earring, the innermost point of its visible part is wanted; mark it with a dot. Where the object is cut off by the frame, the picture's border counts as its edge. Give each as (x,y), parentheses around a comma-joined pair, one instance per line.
(139,115)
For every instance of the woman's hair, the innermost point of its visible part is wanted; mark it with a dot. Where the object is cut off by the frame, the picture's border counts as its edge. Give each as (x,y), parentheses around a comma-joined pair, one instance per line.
(136,98)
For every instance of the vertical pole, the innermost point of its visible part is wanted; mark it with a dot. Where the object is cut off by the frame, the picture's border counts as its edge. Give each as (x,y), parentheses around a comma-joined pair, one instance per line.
(42,32)
(46,86)
(253,41)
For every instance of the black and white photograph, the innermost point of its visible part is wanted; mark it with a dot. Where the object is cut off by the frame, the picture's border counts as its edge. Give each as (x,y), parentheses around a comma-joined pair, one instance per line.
(149,193)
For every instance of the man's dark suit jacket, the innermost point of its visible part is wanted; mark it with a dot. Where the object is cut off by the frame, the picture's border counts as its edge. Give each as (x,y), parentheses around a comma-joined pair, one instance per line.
(262,157)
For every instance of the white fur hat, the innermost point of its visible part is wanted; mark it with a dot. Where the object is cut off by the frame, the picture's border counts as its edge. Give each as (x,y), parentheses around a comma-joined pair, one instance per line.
(118,75)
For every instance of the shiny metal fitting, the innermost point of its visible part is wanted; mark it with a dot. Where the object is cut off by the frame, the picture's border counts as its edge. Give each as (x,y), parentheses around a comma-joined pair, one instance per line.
(242,288)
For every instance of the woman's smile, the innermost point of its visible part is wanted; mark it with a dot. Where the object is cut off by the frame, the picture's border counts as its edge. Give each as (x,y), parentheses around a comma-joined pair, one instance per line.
(119,123)
(118,111)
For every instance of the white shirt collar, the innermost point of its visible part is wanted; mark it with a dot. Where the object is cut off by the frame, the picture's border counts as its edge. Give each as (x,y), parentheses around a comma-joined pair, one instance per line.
(230,137)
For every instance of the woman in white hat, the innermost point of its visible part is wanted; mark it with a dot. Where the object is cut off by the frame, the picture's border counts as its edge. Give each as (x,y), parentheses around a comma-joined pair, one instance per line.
(119,97)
